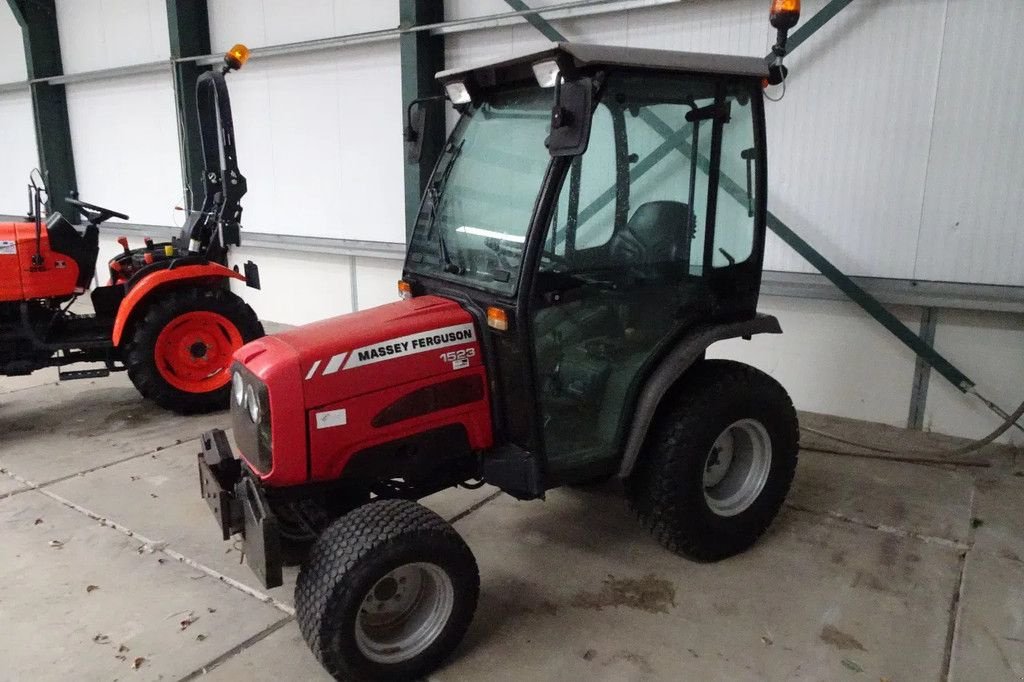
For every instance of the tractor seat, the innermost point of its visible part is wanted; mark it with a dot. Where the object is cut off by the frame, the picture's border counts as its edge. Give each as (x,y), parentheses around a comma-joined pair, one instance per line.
(83,248)
(655,234)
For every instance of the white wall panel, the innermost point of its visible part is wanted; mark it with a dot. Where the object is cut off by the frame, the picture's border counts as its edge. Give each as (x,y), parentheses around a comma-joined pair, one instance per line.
(298,288)
(12,47)
(832,358)
(259,23)
(320,141)
(99,34)
(124,137)
(377,281)
(18,156)
(973,204)
(988,348)
(848,145)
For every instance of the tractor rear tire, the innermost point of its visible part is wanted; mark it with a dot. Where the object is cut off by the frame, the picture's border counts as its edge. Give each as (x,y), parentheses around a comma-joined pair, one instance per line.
(388,592)
(717,463)
(179,354)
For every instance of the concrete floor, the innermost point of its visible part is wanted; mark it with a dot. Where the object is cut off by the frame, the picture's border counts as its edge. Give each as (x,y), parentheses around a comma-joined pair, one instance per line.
(113,568)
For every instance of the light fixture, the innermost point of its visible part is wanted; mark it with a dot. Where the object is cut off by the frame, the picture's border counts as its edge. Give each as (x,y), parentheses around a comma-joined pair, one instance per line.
(546,73)
(497,318)
(253,403)
(238,389)
(458,93)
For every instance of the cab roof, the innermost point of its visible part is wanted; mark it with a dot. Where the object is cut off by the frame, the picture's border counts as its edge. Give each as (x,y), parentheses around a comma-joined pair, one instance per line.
(584,55)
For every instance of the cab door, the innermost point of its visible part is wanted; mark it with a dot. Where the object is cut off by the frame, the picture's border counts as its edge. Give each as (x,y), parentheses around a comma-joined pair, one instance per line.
(632,257)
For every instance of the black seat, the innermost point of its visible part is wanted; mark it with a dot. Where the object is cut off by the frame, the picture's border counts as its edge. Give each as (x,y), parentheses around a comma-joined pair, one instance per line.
(656,233)
(83,248)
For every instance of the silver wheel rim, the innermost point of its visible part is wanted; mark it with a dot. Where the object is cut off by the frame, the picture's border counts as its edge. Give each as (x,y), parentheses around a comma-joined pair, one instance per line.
(404,613)
(737,467)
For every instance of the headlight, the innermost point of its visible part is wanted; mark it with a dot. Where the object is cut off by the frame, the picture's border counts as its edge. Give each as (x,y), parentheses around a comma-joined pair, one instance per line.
(250,418)
(252,402)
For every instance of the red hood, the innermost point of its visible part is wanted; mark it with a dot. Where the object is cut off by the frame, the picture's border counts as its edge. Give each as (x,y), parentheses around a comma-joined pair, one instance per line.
(384,346)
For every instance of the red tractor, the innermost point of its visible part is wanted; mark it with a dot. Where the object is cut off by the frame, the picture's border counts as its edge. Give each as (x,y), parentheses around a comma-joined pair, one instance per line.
(569,267)
(166,315)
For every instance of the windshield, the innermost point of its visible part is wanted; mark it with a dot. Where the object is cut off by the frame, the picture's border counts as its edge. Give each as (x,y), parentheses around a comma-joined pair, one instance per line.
(475,214)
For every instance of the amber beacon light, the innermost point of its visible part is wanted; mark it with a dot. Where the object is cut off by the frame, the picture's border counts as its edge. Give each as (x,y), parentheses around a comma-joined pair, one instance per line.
(236,57)
(785,14)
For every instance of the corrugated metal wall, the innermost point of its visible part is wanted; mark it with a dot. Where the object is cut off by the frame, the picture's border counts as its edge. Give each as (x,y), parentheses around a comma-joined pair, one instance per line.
(896,151)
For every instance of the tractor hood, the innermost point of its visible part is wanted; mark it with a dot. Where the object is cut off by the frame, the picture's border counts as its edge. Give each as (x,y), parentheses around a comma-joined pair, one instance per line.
(378,348)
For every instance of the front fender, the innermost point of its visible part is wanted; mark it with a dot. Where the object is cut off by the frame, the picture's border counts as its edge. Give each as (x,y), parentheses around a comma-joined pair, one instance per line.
(162,278)
(666,374)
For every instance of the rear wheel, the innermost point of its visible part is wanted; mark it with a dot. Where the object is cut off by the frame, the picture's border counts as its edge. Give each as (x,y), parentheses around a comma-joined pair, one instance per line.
(179,355)
(387,593)
(718,461)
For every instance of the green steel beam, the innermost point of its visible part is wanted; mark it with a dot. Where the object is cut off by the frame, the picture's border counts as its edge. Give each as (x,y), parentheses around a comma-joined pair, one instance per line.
(38,21)
(811,26)
(188,26)
(537,21)
(422,56)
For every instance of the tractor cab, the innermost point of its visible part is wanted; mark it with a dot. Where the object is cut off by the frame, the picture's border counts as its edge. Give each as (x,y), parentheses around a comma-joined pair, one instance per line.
(593,209)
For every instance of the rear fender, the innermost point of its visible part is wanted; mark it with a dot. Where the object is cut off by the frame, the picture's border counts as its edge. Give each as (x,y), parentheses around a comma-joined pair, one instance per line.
(142,293)
(665,375)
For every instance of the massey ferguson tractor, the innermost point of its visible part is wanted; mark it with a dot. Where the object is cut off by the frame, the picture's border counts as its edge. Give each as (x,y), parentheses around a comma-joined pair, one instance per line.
(166,315)
(596,221)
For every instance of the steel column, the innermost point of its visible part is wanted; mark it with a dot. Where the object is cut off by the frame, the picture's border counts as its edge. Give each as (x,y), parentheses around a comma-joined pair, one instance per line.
(422,56)
(38,20)
(922,372)
(188,27)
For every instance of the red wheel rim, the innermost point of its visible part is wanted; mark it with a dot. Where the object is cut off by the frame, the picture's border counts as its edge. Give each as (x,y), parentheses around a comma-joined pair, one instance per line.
(193,352)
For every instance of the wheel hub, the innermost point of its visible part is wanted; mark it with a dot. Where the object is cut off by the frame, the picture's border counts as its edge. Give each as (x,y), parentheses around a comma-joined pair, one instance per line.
(193,351)
(198,350)
(737,467)
(404,612)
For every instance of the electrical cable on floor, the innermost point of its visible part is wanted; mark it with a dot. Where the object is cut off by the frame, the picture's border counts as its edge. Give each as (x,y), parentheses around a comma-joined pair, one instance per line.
(938,456)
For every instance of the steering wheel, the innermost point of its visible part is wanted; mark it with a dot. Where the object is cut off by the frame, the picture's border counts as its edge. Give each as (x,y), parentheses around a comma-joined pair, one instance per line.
(94,214)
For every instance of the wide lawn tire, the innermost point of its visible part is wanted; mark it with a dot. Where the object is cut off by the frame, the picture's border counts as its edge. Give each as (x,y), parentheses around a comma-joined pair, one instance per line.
(673,489)
(236,323)
(353,560)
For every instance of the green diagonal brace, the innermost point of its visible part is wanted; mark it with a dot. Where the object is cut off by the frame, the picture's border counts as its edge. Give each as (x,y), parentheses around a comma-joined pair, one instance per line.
(537,21)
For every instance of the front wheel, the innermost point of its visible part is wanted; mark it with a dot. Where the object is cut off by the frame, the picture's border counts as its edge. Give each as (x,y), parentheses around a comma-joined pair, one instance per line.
(387,593)
(718,461)
(180,352)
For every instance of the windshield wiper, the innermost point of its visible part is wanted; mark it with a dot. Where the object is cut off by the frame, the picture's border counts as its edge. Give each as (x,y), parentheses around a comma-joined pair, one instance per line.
(435,191)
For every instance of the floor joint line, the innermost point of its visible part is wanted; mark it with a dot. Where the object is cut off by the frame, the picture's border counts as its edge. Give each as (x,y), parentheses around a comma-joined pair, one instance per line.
(237,649)
(160,546)
(473,507)
(883,528)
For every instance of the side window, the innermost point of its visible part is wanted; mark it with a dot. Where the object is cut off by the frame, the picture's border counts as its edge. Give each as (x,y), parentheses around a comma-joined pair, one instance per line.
(657,215)
(664,181)
(734,222)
